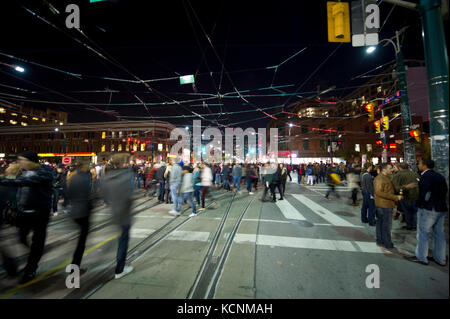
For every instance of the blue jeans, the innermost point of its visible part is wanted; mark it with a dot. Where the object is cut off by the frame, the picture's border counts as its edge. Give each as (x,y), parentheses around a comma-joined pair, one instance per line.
(188,197)
(368,204)
(226,183)
(237,180)
(175,197)
(197,189)
(249,184)
(162,190)
(384,226)
(217,178)
(123,248)
(428,219)
(410,211)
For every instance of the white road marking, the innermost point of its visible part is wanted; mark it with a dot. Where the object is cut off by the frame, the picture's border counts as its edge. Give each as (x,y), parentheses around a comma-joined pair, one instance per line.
(176,235)
(323,212)
(307,243)
(289,211)
(278,221)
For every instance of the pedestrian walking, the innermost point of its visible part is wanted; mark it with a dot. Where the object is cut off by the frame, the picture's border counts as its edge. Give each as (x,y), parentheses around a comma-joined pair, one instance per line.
(226,177)
(117,192)
(206,178)
(237,176)
(187,188)
(80,195)
(283,178)
(432,210)
(34,200)
(353,183)
(385,202)
(159,177)
(332,181)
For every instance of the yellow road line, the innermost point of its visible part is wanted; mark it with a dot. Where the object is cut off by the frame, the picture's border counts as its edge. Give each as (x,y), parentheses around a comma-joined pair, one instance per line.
(49,272)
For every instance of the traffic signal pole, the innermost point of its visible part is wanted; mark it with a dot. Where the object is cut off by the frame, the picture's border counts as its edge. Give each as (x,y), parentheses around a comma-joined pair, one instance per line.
(409,150)
(383,136)
(437,75)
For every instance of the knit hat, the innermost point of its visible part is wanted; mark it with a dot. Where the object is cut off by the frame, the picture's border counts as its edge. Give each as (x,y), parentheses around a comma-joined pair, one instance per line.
(30,155)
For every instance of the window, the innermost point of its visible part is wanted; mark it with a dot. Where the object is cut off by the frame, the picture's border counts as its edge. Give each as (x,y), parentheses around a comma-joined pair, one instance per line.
(119,147)
(2,110)
(304,129)
(127,148)
(142,147)
(14,114)
(305,145)
(112,147)
(113,134)
(357,148)
(103,136)
(369,147)
(103,148)
(43,120)
(23,124)
(13,122)
(120,134)
(35,119)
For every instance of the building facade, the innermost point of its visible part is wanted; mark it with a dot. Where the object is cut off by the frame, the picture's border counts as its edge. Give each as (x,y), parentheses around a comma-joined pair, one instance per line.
(146,140)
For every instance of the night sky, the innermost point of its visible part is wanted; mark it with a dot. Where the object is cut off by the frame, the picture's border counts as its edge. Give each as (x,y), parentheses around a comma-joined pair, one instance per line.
(166,39)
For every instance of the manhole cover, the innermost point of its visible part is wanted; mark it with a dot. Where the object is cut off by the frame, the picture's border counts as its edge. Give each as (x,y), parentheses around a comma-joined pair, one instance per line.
(345,214)
(301,223)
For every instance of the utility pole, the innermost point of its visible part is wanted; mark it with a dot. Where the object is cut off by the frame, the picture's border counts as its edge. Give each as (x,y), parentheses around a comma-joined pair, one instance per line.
(383,136)
(436,59)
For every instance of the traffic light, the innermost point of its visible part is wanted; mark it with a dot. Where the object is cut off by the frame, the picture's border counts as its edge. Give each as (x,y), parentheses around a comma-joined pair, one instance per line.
(338,18)
(377,126)
(415,134)
(370,109)
(132,152)
(385,122)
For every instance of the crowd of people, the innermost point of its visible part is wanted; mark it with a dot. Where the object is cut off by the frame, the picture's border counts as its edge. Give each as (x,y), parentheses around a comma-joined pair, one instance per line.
(31,193)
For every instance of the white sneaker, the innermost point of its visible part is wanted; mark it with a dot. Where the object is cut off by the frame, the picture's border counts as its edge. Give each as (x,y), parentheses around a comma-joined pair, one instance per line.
(126,271)
(55,214)
(201,208)
(192,215)
(174,213)
(251,193)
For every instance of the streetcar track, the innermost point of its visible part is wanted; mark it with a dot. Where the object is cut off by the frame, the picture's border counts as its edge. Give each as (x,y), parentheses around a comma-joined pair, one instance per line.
(133,254)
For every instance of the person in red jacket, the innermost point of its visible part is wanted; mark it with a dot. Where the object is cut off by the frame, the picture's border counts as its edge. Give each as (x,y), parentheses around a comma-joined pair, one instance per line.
(150,181)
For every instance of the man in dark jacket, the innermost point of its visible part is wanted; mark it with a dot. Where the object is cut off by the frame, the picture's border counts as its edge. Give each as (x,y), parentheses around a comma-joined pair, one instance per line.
(432,209)
(80,194)
(34,199)
(117,191)
(368,194)
(159,176)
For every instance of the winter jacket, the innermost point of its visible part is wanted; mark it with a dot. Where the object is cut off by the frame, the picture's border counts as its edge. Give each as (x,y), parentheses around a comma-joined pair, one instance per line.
(34,189)
(79,193)
(117,191)
(384,192)
(175,175)
(206,176)
(160,173)
(187,185)
(403,178)
(367,183)
(237,171)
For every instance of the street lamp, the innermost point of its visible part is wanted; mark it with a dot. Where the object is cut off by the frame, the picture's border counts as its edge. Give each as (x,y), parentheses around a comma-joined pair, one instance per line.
(408,146)
(64,134)
(290,143)
(18,68)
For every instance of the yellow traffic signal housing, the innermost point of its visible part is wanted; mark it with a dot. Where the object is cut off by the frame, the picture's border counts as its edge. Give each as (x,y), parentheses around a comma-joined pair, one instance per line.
(338,17)
(385,122)
(415,134)
(371,116)
(377,126)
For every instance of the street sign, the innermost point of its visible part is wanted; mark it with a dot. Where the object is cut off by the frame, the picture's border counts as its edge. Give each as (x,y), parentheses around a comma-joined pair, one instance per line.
(382,135)
(365,23)
(66,160)
(187,79)
(393,97)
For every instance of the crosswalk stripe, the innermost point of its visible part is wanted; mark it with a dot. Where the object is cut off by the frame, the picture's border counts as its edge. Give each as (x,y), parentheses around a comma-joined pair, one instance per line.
(176,235)
(307,243)
(289,211)
(322,211)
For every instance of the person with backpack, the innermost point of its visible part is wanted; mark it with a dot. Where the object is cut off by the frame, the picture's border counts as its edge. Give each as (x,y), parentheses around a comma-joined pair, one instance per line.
(34,200)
